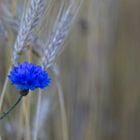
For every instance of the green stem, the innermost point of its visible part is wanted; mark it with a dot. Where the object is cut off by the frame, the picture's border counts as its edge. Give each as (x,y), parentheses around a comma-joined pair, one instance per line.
(11,108)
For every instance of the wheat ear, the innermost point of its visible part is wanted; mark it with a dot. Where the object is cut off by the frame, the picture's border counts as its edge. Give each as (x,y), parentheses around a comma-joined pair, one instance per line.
(58,36)
(27,26)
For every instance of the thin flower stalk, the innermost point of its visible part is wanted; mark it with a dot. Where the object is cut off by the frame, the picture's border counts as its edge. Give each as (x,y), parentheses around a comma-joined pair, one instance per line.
(11,108)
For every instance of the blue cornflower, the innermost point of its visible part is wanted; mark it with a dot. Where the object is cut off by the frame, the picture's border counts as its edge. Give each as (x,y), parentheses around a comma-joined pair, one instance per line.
(28,76)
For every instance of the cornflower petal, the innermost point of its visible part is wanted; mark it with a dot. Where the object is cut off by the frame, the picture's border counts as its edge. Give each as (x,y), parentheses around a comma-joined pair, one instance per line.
(28,76)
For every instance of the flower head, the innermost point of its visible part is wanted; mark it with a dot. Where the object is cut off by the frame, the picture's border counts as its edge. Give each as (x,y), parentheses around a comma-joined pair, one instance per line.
(28,76)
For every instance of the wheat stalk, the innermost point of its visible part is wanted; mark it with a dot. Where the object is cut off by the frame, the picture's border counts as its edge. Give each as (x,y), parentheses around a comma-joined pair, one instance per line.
(64,121)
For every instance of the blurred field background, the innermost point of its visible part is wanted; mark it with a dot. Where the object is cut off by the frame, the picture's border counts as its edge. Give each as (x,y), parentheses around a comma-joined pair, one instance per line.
(99,77)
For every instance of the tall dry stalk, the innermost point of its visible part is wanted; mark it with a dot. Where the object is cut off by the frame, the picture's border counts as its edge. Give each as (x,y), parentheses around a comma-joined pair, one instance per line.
(64,119)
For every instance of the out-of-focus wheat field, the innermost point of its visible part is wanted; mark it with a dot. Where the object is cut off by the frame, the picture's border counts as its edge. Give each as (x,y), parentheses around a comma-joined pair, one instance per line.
(99,77)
